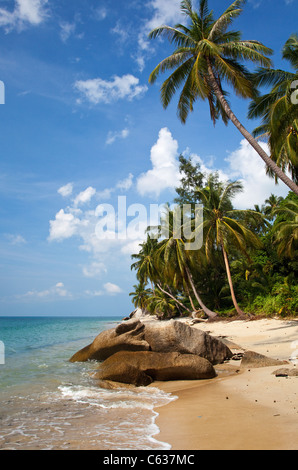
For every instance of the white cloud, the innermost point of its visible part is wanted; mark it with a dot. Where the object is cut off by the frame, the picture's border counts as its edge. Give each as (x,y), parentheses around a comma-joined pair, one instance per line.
(96,293)
(165,12)
(108,289)
(57,291)
(66,190)
(85,196)
(66,30)
(132,247)
(112,289)
(100,13)
(102,91)
(95,269)
(165,166)
(125,184)
(102,244)
(16,239)
(113,136)
(120,32)
(257,3)
(244,164)
(26,12)
(105,193)
(64,226)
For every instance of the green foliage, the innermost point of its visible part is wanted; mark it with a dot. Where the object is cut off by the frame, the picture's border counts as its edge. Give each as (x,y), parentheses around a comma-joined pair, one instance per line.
(279,114)
(263,276)
(162,306)
(206,50)
(282,301)
(192,178)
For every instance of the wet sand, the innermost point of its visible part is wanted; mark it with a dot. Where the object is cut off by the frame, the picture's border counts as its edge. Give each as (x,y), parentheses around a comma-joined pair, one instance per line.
(242,409)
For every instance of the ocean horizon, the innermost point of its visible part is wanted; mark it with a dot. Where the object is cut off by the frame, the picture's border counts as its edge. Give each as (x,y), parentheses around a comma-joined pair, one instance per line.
(48,403)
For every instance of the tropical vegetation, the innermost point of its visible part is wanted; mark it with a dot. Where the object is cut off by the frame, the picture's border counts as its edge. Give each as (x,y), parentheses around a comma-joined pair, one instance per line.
(248,262)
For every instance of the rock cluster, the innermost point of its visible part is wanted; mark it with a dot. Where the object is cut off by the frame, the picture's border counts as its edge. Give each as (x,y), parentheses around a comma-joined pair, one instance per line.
(144,367)
(139,353)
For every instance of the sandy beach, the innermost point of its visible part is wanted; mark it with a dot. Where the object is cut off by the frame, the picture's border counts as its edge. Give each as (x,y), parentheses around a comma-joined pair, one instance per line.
(242,409)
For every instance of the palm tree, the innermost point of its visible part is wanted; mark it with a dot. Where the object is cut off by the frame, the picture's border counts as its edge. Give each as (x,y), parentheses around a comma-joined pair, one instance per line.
(176,259)
(207,55)
(222,226)
(280,115)
(140,295)
(161,305)
(144,265)
(286,231)
(148,271)
(271,204)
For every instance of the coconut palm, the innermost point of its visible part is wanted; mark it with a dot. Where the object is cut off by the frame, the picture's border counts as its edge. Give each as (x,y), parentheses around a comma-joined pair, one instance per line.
(171,251)
(286,231)
(272,202)
(278,111)
(148,271)
(140,295)
(161,305)
(223,227)
(144,265)
(207,55)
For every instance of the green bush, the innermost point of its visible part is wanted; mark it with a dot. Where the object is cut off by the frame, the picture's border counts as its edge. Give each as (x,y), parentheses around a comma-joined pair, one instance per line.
(282,302)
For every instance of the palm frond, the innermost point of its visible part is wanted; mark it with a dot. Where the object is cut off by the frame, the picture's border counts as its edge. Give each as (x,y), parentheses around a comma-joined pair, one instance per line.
(173,34)
(290,51)
(252,51)
(226,19)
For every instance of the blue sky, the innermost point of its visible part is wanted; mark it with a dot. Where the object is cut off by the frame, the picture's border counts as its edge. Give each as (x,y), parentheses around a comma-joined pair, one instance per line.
(82,127)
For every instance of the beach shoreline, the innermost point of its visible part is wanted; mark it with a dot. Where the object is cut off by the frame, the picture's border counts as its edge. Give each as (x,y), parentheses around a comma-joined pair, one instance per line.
(242,409)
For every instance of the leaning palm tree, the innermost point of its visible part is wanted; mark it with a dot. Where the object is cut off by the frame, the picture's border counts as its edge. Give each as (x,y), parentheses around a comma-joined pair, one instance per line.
(279,112)
(207,55)
(148,271)
(161,305)
(172,252)
(223,227)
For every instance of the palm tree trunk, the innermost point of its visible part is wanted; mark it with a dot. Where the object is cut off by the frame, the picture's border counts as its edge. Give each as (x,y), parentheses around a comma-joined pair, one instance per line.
(206,310)
(189,296)
(172,297)
(269,162)
(238,309)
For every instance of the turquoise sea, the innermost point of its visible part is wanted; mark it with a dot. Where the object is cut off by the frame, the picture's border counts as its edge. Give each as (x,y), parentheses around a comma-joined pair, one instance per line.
(48,403)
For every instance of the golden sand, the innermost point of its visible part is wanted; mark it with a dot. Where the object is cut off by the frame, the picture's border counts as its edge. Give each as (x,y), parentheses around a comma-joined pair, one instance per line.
(242,409)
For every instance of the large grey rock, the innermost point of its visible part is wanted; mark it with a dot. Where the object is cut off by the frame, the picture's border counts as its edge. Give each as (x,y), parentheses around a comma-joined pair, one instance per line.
(144,367)
(255,360)
(175,336)
(128,336)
